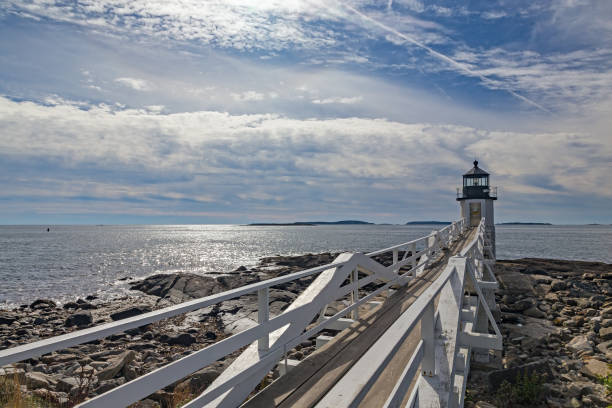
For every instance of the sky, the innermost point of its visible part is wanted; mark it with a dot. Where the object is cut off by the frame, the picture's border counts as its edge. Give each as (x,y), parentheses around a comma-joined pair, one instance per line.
(237,111)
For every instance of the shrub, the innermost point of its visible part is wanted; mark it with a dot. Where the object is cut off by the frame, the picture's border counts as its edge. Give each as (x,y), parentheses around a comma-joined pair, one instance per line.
(528,390)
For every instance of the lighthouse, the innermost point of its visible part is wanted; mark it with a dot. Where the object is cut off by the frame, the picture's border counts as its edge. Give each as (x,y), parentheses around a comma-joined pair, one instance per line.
(476,199)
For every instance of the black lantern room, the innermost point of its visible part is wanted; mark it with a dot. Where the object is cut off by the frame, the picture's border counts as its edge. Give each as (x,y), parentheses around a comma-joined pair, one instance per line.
(476,185)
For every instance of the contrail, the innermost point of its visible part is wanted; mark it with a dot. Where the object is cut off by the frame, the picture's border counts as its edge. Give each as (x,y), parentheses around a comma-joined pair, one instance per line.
(441,56)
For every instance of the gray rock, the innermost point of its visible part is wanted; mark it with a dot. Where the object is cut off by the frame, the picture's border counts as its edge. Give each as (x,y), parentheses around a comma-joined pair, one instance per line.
(67,384)
(8,318)
(108,385)
(78,319)
(35,380)
(595,369)
(130,312)
(43,304)
(116,365)
(579,344)
(182,339)
(606,333)
(534,312)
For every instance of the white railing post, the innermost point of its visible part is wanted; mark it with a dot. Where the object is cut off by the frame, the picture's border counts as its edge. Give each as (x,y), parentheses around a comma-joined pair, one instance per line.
(428,365)
(355,293)
(395,256)
(414,261)
(263,315)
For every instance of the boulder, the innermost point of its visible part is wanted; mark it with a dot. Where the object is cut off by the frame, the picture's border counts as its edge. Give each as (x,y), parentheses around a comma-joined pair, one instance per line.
(78,319)
(108,385)
(67,384)
(7,318)
(606,333)
(607,312)
(203,378)
(182,339)
(580,343)
(179,287)
(12,372)
(595,369)
(42,304)
(516,283)
(35,380)
(130,312)
(534,312)
(116,365)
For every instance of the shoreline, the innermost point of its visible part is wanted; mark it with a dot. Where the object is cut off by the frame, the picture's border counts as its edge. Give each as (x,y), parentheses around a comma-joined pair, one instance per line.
(529,289)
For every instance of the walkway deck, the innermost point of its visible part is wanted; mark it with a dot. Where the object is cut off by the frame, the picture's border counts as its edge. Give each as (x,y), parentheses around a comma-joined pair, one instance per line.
(309,383)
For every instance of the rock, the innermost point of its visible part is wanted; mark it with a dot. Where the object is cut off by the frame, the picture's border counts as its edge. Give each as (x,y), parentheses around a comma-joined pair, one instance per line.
(203,378)
(43,304)
(182,339)
(71,305)
(67,384)
(516,283)
(604,347)
(579,343)
(78,319)
(606,333)
(108,385)
(534,312)
(116,365)
(607,312)
(495,378)
(595,368)
(59,398)
(130,312)
(12,372)
(7,318)
(210,335)
(558,285)
(35,380)
(522,304)
(484,404)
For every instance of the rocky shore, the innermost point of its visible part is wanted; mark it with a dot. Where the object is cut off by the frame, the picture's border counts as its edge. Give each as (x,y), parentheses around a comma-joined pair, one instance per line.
(66,377)
(556,318)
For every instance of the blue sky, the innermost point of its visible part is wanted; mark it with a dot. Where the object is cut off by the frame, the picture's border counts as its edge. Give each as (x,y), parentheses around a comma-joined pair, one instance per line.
(151,111)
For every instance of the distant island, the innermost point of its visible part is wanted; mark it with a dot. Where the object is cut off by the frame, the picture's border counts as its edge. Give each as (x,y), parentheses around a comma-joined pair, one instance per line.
(310,223)
(524,223)
(429,222)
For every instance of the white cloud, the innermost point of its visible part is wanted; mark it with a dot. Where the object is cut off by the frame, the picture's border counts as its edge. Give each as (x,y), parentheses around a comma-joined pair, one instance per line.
(248,96)
(225,154)
(493,15)
(341,100)
(135,83)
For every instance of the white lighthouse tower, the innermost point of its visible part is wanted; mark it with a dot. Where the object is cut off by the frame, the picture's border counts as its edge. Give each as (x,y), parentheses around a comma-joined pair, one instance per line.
(476,200)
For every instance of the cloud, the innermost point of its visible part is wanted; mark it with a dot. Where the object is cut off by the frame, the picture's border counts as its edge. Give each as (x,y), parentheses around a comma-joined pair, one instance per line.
(341,100)
(493,15)
(135,83)
(239,24)
(249,96)
(53,156)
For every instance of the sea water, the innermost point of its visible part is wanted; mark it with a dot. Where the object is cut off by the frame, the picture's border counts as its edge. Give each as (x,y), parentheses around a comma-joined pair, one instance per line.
(75,261)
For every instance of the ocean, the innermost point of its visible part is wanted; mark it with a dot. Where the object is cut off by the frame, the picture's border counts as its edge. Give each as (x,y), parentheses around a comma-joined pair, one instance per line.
(76,261)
